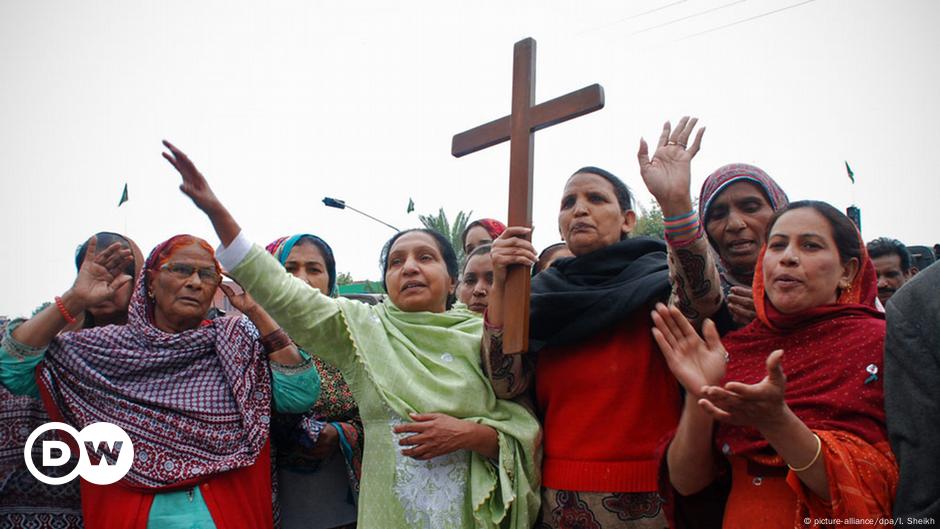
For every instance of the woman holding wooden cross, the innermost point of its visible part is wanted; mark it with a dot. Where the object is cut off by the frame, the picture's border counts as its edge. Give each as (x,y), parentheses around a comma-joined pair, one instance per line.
(604,392)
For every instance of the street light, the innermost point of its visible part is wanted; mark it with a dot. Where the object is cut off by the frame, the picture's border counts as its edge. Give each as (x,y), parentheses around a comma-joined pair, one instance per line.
(341,204)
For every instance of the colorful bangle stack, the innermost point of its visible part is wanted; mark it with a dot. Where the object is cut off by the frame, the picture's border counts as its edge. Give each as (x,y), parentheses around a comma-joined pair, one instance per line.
(681,230)
(64,311)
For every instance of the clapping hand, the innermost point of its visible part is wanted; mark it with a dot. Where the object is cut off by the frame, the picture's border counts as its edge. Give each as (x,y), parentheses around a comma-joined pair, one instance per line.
(757,405)
(668,174)
(696,363)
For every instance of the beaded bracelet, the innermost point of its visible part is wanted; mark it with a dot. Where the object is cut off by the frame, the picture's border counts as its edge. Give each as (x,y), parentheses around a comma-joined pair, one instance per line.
(64,311)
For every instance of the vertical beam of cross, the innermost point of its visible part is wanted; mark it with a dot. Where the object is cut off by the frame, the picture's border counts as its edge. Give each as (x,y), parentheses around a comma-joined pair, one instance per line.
(524,119)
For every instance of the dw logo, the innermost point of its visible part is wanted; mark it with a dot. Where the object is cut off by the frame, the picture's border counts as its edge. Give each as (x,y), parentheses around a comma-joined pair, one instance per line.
(107,443)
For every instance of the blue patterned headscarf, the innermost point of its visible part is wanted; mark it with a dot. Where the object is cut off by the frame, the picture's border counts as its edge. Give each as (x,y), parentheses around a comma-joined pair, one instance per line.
(282,247)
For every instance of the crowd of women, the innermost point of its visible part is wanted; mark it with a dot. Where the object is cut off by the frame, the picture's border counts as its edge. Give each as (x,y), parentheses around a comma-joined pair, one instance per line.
(730,376)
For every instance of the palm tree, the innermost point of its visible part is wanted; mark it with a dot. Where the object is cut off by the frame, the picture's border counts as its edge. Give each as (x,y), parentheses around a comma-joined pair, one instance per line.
(451,232)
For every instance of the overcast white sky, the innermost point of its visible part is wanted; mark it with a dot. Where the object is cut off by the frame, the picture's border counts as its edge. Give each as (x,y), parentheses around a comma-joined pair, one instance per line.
(283,103)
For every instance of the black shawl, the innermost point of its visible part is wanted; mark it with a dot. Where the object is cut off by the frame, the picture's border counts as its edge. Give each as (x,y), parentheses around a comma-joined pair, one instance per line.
(578,297)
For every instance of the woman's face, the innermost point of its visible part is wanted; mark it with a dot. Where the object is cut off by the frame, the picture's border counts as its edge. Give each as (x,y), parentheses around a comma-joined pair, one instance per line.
(416,275)
(554,255)
(307,263)
(182,301)
(476,236)
(475,284)
(737,222)
(590,217)
(802,267)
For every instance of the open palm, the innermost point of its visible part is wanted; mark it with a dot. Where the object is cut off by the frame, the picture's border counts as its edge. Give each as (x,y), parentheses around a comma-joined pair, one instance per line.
(668,174)
(101,274)
(194,184)
(695,363)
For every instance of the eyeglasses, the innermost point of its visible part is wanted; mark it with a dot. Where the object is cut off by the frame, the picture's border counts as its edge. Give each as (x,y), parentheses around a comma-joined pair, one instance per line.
(185,271)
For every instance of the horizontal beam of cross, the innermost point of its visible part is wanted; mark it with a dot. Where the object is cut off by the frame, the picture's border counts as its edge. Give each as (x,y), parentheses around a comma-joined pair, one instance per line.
(543,115)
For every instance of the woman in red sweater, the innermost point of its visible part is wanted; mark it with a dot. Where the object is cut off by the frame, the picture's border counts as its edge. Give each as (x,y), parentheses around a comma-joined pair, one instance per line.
(602,388)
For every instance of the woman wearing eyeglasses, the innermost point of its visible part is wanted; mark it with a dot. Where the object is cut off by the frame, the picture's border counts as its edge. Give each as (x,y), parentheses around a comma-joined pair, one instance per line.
(193,395)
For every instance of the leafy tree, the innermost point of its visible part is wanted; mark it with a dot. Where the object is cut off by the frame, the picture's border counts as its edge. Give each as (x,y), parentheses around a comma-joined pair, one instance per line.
(650,223)
(344,278)
(450,230)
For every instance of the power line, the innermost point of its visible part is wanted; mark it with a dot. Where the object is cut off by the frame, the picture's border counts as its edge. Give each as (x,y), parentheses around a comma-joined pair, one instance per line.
(705,12)
(638,15)
(755,17)
(631,17)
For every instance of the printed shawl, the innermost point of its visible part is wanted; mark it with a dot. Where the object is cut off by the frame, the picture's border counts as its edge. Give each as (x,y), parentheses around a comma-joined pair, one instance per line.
(834,368)
(194,403)
(717,182)
(423,362)
(578,297)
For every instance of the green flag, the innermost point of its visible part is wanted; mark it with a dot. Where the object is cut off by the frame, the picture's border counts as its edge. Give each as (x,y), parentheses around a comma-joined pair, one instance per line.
(123,196)
(849,170)
(411,205)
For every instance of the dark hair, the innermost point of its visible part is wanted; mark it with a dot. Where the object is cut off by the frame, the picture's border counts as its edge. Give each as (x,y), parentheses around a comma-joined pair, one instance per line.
(493,228)
(482,249)
(327,252)
(546,254)
(105,239)
(848,241)
(624,197)
(886,246)
(443,245)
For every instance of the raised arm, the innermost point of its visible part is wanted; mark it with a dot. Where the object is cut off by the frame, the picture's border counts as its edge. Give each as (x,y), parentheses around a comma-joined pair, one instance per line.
(696,287)
(197,188)
(99,278)
(23,345)
(311,319)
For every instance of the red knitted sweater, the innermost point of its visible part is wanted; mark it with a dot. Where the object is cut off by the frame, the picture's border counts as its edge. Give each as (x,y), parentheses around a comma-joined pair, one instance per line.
(606,405)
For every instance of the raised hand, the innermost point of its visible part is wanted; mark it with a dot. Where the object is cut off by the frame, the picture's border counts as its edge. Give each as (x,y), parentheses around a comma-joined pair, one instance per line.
(695,363)
(241,300)
(101,274)
(194,184)
(197,188)
(668,174)
(758,405)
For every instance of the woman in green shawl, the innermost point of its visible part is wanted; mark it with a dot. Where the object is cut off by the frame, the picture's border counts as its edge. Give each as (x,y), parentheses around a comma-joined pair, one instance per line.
(442,450)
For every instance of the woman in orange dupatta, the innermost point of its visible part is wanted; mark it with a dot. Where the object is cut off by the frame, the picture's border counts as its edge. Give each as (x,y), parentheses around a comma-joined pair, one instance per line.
(810,447)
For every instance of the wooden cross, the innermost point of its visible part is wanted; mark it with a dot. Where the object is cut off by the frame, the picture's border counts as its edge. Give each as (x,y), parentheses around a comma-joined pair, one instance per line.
(524,119)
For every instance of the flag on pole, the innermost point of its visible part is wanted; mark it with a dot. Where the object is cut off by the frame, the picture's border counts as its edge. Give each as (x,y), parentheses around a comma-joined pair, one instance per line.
(849,170)
(123,195)
(411,205)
